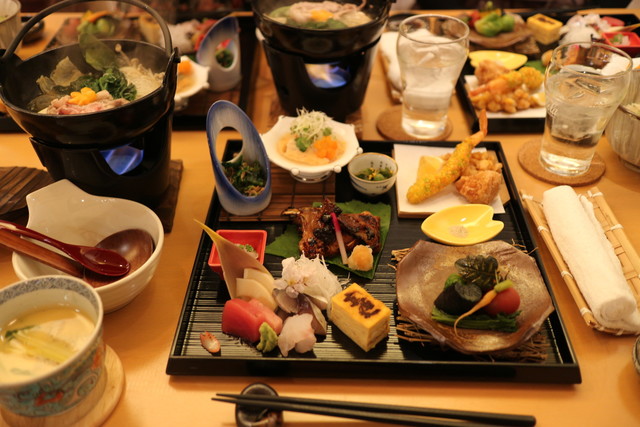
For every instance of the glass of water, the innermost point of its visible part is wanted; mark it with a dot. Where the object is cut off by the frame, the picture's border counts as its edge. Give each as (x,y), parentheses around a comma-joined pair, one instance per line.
(584,84)
(432,50)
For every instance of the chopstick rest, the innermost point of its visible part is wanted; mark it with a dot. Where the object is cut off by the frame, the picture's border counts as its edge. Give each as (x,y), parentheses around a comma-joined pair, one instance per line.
(400,415)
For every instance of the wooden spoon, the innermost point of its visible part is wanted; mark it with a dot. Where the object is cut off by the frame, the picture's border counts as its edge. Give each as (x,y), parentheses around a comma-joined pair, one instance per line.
(135,245)
(101,261)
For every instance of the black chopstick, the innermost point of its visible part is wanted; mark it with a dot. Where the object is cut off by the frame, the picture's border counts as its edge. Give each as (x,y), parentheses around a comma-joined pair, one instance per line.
(404,415)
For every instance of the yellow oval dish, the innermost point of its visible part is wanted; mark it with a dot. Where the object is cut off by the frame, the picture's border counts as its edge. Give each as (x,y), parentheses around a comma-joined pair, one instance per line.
(510,60)
(462,225)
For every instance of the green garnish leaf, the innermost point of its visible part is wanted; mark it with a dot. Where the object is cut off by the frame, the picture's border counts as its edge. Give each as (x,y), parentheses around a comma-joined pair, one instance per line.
(501,322)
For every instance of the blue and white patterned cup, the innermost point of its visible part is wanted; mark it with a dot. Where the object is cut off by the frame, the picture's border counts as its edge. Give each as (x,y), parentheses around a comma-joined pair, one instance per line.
(65,386)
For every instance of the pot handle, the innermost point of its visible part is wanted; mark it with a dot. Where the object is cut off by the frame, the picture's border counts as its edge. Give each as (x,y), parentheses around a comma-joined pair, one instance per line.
(63,4)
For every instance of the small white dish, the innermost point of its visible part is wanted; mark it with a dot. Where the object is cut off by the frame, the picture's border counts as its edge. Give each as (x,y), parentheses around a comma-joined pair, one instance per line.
(408,157)
(373,161)
(190,84)
(308,173)
(462,225)
(65,212)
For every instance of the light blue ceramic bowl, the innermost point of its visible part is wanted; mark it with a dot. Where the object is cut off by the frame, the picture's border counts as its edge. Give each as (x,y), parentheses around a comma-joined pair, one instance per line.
(224,114)
(67,384)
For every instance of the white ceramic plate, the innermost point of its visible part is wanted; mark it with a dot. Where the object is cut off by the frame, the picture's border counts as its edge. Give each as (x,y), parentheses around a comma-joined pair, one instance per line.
(408,157)
(529,113)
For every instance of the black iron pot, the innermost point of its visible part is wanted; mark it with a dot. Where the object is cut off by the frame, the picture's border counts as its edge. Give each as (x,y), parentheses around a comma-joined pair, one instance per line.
(104,129)
(320,44)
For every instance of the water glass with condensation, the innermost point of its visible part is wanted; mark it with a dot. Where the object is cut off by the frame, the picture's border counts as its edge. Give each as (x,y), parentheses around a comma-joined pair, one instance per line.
(9,21)
(584,84)
(432,49)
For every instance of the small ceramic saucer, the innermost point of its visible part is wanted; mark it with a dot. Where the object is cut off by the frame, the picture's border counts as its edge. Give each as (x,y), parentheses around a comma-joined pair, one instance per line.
(462,225)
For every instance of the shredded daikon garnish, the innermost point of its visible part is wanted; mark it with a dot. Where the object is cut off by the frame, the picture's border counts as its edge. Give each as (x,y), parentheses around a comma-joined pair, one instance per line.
(308,127)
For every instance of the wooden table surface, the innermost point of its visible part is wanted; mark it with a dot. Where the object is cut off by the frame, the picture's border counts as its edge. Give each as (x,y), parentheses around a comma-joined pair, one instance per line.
(142,332)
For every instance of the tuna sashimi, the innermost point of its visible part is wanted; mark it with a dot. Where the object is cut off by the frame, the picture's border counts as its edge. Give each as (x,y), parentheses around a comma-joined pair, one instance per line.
(270,316)
(297,334)
(243,319)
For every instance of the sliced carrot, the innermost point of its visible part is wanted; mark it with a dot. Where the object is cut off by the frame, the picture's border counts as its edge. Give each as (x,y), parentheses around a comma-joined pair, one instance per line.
(184,67)
(326,147)
(484,301)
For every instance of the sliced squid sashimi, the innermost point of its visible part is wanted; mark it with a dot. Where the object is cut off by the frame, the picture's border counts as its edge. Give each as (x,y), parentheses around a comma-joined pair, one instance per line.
(297,333)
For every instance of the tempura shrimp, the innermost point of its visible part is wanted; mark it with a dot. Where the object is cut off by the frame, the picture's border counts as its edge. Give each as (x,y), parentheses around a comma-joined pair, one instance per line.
(426,187)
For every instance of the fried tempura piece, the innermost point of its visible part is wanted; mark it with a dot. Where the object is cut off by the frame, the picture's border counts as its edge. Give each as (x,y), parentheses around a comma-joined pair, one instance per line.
(488,70)
(481,187)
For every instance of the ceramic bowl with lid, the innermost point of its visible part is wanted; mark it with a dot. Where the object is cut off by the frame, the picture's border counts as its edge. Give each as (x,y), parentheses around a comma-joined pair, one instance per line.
(41,390)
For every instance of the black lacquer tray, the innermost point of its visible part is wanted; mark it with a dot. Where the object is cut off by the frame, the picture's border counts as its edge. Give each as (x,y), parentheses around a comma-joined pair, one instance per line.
(336,356)
(517,125)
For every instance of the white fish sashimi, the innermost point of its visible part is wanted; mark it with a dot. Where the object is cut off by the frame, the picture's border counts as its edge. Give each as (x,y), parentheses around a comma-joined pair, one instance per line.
(297,334)
(310,277)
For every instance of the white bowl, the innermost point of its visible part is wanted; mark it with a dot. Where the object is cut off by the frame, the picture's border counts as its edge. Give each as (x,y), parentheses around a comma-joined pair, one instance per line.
(373,161)
(65,212)
(73,379)
(308,173)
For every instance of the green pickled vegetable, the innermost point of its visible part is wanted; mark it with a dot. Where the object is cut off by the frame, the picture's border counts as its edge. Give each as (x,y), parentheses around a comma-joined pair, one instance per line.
(247,178)
(493,24)
(490,25)
(373,174)
(508,23)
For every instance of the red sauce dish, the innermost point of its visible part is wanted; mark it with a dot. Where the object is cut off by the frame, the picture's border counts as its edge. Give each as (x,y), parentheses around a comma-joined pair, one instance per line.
(256,238)
(626,41)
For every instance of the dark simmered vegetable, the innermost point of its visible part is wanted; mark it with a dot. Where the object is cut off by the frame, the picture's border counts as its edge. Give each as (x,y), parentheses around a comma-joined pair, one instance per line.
(458,298)
(480,270)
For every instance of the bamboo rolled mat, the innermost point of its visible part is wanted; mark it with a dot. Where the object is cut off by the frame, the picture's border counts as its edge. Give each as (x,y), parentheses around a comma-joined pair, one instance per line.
(614,232)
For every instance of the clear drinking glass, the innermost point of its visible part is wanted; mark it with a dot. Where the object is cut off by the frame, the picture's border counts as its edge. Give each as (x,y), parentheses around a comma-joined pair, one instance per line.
(432,50)
(584,84)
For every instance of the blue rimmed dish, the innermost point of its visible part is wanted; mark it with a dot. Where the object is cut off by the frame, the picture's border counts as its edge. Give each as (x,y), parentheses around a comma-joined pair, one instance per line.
(223,114)
(220,51)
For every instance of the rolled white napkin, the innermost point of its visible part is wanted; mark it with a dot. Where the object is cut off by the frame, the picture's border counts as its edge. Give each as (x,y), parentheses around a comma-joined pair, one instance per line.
(591,258)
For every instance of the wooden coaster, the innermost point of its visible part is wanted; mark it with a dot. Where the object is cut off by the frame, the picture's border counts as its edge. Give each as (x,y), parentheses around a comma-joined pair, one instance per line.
(528,157)
(389,124)
(92,411)
(15,184)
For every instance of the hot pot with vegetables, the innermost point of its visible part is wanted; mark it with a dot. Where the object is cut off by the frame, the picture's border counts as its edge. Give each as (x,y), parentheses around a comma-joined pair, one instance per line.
(123,86)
